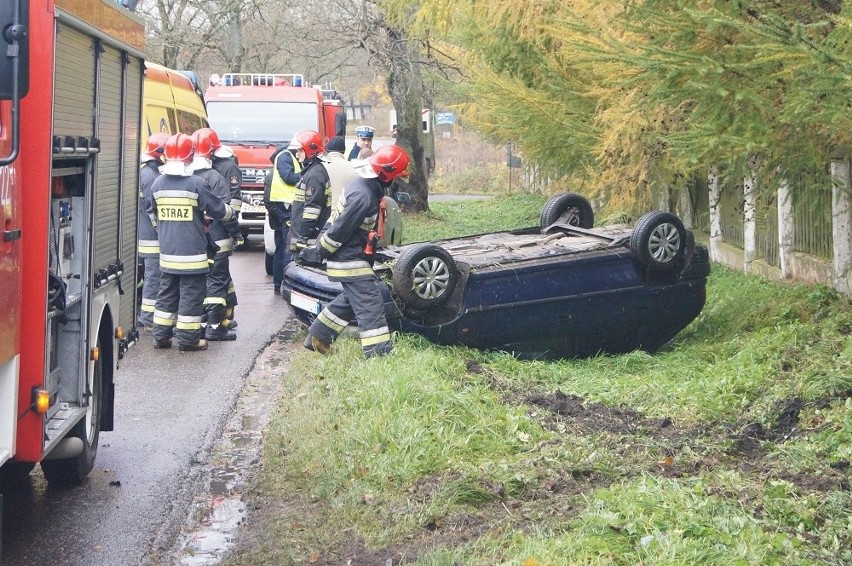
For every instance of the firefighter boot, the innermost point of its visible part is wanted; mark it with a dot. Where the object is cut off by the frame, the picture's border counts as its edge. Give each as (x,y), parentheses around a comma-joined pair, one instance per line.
(162,343)
(193,346)
(219,333)
(314,344)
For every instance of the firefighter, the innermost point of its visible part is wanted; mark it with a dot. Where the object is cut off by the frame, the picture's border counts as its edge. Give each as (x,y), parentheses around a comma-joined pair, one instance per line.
(363,147)
(223,237)
(312,201)
(348,243)
(225,162)
(278,197)
(148,245)
(178,205)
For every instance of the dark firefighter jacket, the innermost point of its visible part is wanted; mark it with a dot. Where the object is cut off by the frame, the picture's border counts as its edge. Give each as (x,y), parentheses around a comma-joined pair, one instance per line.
(179,205)
(148,243)
(311,204)
(221,233)
(346,235)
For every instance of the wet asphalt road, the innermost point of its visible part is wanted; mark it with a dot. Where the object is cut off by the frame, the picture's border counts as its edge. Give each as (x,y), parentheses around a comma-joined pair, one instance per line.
(170,409)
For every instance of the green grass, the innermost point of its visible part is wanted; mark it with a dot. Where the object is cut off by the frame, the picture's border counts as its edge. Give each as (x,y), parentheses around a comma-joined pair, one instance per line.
(440,456)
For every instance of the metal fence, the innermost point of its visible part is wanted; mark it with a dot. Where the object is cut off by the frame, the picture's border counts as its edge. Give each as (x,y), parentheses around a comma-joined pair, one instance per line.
(812,216)
(731,208)
(766,218)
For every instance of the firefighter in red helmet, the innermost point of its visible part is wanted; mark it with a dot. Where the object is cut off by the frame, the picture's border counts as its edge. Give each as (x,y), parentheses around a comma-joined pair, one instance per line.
(178,205)
(346,245)
(312,200)
(222,235)
(147,241)
(225,162)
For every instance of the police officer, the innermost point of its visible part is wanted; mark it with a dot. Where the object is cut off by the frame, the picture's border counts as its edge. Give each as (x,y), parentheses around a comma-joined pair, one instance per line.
(222,235)
(225,162)
(363,147)
(278,198)
(148,245)
(343,243)
(178,205)
(312,201)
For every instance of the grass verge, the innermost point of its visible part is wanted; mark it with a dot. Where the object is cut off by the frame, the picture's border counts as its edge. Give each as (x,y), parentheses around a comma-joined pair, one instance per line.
(731,446)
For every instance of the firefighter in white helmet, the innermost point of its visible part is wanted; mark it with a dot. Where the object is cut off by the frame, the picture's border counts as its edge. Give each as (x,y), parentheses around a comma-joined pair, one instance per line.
(148,243)
(180,202)
(347,244)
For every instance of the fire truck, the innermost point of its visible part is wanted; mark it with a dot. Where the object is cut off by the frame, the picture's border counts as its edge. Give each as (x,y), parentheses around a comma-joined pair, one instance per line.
(71,76)
(254,113)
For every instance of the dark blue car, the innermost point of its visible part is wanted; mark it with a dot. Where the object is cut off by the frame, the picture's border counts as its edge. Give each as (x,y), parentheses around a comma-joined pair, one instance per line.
(562,289)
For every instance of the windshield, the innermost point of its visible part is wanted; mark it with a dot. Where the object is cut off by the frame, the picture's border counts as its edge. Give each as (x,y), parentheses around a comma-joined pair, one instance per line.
(260,122)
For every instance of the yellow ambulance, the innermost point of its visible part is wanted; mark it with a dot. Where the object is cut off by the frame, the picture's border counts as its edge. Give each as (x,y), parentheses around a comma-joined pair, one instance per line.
(171,103)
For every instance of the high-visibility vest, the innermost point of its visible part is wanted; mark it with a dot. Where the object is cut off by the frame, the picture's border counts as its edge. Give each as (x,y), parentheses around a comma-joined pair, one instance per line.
(281,191)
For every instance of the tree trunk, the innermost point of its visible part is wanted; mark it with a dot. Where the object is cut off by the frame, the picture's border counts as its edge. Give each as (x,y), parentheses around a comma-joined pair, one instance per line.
(405,86)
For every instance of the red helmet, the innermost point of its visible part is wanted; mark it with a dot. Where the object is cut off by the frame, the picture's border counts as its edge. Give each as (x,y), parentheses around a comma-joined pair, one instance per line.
(310,141)
(389,162)
(212,136)
(156,145)
(204,142)
(179,147)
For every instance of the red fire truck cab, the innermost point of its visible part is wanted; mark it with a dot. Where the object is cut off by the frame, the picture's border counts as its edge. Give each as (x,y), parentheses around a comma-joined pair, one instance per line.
(70,105)
(254,113)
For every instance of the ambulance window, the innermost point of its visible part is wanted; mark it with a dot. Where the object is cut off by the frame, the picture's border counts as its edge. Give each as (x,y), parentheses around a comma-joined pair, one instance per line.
(188,123)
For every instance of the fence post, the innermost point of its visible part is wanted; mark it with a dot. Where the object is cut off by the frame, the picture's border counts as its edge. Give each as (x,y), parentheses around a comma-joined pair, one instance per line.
(841,215)
(715,190)
(750,226)
(786,227)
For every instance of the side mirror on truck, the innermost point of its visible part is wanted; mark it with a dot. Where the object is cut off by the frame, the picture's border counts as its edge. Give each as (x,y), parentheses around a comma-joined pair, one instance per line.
(14,66)
(14,49)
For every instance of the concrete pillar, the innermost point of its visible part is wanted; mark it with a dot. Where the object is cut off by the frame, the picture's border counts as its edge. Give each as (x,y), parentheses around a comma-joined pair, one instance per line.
(714,188)
(786,227)
(841,215)
(750,226)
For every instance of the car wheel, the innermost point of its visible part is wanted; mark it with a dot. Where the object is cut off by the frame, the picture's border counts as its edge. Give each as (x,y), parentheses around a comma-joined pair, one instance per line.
(268,262)
(658,241)
(425,276)
(568,208)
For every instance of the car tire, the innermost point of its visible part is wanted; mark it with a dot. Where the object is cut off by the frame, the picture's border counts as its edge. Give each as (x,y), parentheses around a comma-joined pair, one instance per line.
(72,471)
(268,262)
(658,241)
(425,276)
(568,208)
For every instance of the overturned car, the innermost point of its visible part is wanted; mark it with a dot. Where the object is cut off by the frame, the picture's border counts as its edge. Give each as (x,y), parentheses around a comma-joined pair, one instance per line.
(561,289)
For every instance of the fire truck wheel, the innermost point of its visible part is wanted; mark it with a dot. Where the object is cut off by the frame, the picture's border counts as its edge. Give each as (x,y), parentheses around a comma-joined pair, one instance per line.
(72,471)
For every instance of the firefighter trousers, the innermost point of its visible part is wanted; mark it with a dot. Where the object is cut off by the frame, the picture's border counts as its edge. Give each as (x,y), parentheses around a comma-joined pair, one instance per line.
(150,290)
(218,285)
(360,300)
(180,307)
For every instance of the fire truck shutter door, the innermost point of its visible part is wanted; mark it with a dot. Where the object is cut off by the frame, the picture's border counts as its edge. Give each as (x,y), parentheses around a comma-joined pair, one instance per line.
(75,83)
(108,172)
(130,190)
